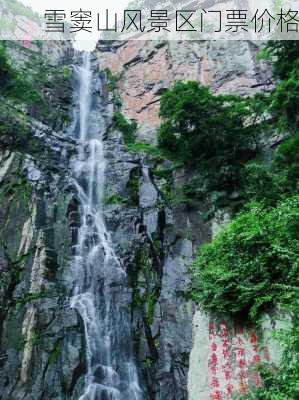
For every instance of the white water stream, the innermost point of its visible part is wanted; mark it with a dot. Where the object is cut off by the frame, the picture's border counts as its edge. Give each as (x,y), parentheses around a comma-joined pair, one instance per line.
(101,295)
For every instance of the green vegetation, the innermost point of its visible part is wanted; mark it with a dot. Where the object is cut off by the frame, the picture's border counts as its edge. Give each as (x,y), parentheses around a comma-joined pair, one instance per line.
(217,136)
(283,384)
(54,356)
(283,102)
(252,262)
(214,135)
(198,126)
(128,129)
(145,291)
(112,84)
(15,84)
(30,87)
(148,149)
(115,199)
(31,297)
(271,183)
(112,79)
(17,8)
(134,186)
(6,24)
(284,56)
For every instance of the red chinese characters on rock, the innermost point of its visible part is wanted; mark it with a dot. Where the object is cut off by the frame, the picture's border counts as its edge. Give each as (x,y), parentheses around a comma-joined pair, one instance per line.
(256,359)
(242,367)
(213,364)
(226,364)
(266,354)
(243,351)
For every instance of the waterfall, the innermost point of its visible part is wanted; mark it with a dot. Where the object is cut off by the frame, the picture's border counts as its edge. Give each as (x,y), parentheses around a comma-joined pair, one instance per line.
(101,295)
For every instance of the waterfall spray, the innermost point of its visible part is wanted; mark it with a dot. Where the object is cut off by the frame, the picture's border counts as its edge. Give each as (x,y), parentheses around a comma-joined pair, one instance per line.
(101,294)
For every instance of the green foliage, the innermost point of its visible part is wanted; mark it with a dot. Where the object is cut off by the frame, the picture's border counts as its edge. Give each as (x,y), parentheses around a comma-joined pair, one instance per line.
(31,297)
(150,301)
(197,125)
(6,71)
(148,149)
(30,86)
(6,24)
(252,264)
(284,54)
(15,84)
(272,182)
(134,186)
(284,101)
(215,135)
(112,79)
(282,383)
(17,8)
(128,129)
(287,157)
(56,353)
(144,283)
(261,184)
(66,72)
(244,269)
(115,199)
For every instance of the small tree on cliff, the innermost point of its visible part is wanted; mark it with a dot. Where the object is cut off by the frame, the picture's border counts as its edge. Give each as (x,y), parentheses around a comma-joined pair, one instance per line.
(197,125)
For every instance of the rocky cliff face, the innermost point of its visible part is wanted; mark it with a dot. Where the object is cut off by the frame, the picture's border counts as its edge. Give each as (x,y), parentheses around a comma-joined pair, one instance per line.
(145,70)
(42,345)
(42,339)
(149,68)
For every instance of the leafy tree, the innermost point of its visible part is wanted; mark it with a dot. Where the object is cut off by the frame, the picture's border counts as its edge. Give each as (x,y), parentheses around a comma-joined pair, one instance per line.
(5,69)
(284,54)
(284,101)
(197,125)
(127,128)
(272,182)
(15,84)
(287,157)
(250,262)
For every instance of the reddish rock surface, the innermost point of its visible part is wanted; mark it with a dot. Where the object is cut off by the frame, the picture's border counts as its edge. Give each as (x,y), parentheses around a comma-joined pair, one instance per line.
(148,68)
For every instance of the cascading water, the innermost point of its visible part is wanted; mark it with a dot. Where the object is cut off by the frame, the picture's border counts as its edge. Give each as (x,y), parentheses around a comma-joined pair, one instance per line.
(101,295)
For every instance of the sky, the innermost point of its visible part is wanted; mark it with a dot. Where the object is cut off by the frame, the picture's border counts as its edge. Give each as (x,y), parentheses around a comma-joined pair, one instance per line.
(91,5)
(41,5)
(118,6)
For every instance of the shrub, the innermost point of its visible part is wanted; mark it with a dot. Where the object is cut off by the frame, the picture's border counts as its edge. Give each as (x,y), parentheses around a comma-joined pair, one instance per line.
(244,269)
(287,157)
(272,182)
(6,71)
(284,101)
(112,79)
(127,128)
(284,54)
(282,383)
(197,125)
(15,84)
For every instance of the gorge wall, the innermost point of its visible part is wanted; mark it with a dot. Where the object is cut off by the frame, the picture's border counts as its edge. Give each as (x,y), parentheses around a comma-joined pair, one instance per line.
(224,353)
(43,348)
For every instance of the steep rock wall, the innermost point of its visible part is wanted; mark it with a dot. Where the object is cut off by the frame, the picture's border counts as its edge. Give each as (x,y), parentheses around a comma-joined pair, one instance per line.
(156,241)
(149,68)
(42,347)
(172,233)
